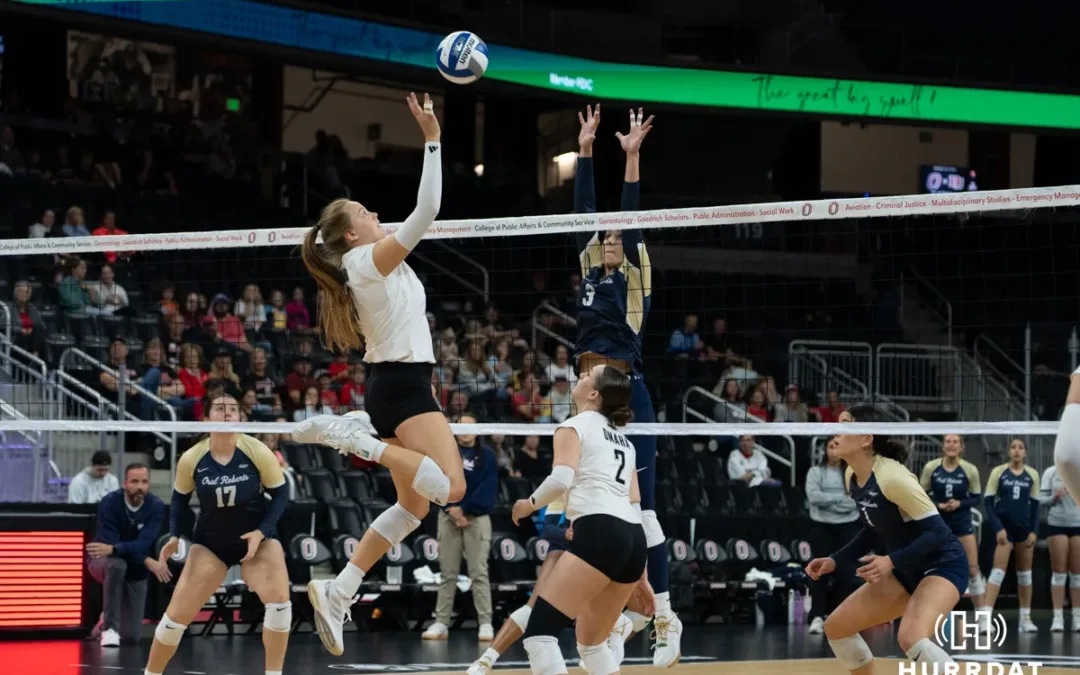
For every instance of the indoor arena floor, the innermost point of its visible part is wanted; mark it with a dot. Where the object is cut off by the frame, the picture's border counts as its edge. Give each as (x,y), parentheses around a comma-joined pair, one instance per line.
(707,650)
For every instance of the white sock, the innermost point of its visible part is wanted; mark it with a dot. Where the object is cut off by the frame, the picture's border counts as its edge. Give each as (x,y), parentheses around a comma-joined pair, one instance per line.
(1059,615)
(925,651)
(147,672)
(1025,614)
(490,656)
(663,604)
(349,580)
(273,672)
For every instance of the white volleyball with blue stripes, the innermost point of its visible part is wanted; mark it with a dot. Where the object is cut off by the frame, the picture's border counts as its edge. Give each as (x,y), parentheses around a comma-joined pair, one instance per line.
(462,57)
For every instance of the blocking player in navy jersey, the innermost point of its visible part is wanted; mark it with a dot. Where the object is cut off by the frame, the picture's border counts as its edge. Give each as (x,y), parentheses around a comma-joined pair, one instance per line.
(612,305)
(242,495)
(923,571)
(954,485)
(1012,507)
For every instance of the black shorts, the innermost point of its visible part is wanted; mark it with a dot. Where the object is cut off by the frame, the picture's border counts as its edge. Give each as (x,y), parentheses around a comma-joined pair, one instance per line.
(611,545)
(229,551)
(397,392)
(1052,530)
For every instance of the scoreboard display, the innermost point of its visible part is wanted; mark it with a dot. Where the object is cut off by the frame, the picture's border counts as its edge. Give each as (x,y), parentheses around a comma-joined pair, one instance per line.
(934,179)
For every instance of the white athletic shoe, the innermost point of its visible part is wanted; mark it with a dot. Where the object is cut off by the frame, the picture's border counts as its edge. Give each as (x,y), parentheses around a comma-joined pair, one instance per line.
(436,631)
(331,613)
(817,626)
(1058,626)
(624,627)
(1026,626)
(486,633)
(110,638)
(350,435)
(479,667)
(667,637)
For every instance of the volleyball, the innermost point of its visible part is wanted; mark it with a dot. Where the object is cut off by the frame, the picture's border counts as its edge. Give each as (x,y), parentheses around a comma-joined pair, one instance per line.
(462,57)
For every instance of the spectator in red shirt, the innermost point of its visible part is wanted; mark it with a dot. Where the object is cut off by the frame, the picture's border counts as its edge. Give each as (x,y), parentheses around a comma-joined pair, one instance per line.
(340,370)
(109,228)
(229,326)
(327,396)
(297,312)
(528,403)
(758,406)
(830,412)
(27,325)
(193,377)
(353,391)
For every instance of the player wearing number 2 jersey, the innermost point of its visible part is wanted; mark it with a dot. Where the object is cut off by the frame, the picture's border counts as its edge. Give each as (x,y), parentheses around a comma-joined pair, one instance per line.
(605,563)
(242,495)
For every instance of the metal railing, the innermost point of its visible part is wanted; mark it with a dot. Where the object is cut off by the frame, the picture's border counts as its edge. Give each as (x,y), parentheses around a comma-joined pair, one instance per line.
(917,372)
(443,269)
(486,291)
(538,327)
(25,453)
(938,305)
(812,373)
(119,409)
(995,362)
(855,359)
(742,416)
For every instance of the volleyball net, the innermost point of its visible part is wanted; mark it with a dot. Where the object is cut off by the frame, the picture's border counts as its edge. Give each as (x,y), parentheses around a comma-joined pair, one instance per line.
(953,313)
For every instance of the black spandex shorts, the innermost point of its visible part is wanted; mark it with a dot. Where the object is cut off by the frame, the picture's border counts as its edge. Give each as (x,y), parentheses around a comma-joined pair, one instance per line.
(228,551)
(613,546)
(397,392)
(1052,530)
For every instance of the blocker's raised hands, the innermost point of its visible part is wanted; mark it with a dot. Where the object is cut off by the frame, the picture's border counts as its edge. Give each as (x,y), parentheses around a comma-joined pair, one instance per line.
(631,142)
(589,122)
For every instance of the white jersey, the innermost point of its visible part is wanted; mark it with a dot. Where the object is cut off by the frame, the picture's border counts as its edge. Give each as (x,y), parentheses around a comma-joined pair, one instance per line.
(1064,512)
(602,481)
(392,309)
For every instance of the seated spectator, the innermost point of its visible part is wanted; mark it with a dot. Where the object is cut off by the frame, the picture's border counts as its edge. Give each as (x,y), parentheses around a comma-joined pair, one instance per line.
(277,315)
(743,372)
(457,405)
(499,362)
(298,380)
(830,412)
(792,409)
(353,391)
(167,302)
(73,293)
(327,396)
(229,327)
(748,464)
(11,160)
(475,375)
(725,345)
(90,485)
(258,379)
(161,379)
(109,384)
(529,462)
(447,348)
(192,376)
(729,411)
(193,316)
(121,559)
(107,296)
(297,315)
(250,308)
(561,366)
(109,229)
(527,402)
(221,368)
(174,339)
(558,404)
(340,370)
(685,343)
(504,454)
(43,229)
(75,223)
(312,406)
(27,326)
(529,366)
(759,407)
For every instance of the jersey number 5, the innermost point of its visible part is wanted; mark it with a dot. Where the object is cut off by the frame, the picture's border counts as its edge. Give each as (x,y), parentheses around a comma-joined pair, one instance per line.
(226,493)
(621,456)
(590,293)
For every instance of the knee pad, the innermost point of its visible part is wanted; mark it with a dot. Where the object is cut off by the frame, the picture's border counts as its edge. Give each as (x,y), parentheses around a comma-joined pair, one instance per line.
(654,534)
(545,657)
(925,651)
(278,617)
(395,523)
(1023,578)
(638,620)
(1058,579)
(431,483)
(1074,581)
(169,632)
(597,659)
(977,585)
(997,575)
(545,620)
(852,651)
(520,616)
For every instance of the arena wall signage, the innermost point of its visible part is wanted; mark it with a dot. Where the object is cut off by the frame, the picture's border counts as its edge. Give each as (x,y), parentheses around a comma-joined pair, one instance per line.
(301,29)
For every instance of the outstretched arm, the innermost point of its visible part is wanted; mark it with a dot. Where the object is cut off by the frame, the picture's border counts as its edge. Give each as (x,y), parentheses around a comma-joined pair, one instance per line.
(584,184)
(631,192)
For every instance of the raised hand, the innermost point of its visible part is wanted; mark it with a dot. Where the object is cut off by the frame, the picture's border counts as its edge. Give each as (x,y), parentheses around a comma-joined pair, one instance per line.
(631,142)
(425,117)
(589,122)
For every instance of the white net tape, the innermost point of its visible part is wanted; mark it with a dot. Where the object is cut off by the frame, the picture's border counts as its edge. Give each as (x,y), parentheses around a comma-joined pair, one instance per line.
(819,209)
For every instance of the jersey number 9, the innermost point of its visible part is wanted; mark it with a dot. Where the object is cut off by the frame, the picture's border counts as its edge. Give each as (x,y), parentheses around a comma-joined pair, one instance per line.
(590,293)
(1016,492)
(226,496)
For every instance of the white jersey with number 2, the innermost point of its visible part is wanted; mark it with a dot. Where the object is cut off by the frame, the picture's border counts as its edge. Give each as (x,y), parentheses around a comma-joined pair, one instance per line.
(602,481)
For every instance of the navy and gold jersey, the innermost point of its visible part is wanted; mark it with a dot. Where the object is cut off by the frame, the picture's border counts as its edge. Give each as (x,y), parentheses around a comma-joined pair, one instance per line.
(231,499)
(961,484)
(891,504)
(611,307)
(1013,498)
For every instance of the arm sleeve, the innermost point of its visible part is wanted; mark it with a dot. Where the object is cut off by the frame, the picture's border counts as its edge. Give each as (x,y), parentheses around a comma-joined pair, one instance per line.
(991,514)
(850,553)
(974,482)
(971,501)
(279,501)
(179,512)
(554,528)
(924,478)
(933,534)
(141,545)
(428,199)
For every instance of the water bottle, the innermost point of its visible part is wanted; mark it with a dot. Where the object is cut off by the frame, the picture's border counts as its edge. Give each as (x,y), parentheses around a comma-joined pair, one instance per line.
(791,606)
(800,608)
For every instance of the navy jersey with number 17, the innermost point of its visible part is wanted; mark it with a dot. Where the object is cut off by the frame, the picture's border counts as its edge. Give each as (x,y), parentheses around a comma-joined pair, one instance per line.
(611,307)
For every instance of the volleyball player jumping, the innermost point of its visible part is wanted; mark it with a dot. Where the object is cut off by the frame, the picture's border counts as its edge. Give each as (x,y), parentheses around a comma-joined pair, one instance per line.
(233,475)
(367,288)
(605,562)
(925,570)
(1067,444)
(612,305)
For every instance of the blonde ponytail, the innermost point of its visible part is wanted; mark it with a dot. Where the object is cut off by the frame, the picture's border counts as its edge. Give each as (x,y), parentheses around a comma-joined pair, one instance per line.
(337,318)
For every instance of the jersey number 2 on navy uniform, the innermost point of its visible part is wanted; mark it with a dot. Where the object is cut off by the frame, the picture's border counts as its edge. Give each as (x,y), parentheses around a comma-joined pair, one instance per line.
(621,456)
(226,493)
